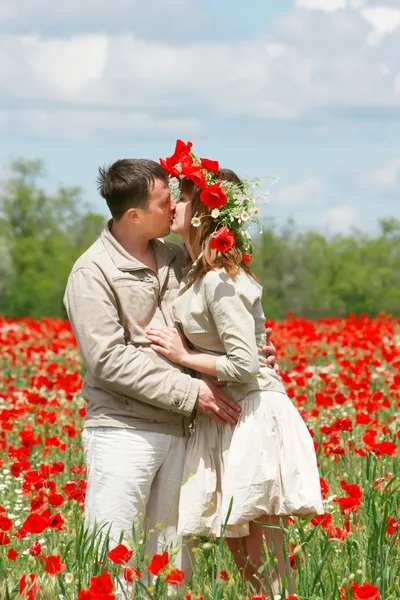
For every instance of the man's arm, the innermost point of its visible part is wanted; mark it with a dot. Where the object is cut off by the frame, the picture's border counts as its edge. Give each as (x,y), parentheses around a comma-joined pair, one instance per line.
(120,367)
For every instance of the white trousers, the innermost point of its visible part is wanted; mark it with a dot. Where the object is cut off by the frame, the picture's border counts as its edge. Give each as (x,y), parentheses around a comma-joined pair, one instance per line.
(134,479)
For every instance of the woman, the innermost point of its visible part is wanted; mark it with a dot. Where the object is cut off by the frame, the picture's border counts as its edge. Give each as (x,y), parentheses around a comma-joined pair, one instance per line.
(264,469)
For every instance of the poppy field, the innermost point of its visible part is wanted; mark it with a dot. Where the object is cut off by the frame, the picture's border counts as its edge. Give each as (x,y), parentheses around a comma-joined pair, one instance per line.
(344,377)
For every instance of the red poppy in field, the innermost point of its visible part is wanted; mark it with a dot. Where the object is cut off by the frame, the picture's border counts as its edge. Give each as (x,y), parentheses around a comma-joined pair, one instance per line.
(12,554)
(35,549)
(393,525)
(175,577)
(366,591)
(53,564)
(131,574)
(194,597)
(352,489)
(5,523)
(4,538)
(347,504)
(35,523)
(101,584)
(56,521)
(28,587)
(120,554)
(158,563)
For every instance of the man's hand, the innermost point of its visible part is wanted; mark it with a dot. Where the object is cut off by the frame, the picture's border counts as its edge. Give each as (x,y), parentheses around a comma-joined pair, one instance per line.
(217,405)
(270,350)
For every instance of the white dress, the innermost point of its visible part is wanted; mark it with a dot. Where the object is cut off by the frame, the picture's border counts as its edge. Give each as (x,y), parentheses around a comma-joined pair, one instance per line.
(266,463)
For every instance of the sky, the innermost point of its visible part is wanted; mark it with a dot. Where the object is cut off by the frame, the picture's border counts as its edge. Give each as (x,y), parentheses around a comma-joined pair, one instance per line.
(304,90)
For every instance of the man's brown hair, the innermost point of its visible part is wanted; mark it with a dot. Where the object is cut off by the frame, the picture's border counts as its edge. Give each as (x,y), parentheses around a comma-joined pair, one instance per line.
(126,184)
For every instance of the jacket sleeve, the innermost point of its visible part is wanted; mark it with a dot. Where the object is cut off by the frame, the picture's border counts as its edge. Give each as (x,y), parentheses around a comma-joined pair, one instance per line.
(117,366)
(231,309)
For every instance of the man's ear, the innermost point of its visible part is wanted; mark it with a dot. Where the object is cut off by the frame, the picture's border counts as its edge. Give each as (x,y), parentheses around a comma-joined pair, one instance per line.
(133,215)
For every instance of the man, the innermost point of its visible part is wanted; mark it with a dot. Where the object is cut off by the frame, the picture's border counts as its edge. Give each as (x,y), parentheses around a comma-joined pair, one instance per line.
(139,405)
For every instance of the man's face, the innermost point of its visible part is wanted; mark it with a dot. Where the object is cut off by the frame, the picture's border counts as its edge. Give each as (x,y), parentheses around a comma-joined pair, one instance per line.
(156,220)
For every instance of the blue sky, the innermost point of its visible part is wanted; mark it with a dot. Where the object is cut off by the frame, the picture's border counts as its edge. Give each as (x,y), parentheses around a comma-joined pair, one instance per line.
(308,90)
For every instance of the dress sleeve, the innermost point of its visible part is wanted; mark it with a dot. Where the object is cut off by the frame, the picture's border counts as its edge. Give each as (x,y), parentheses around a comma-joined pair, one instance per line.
(230,303)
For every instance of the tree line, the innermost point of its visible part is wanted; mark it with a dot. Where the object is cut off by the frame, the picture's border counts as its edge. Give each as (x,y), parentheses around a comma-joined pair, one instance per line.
(305,273)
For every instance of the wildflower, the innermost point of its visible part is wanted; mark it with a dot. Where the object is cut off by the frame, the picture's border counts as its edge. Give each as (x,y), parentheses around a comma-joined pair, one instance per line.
(53,564)
(175,577)
(158,563)
(130,574)
(120,554)
(195,222)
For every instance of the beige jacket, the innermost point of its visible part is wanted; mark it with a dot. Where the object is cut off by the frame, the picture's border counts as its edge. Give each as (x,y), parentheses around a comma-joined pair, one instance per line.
(111,298)
(224,316)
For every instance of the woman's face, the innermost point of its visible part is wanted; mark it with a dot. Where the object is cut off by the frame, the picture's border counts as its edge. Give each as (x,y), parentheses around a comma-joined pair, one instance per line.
(183,215)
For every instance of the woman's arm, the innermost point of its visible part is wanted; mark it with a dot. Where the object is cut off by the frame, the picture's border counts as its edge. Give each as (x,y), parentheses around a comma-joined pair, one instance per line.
(171,344)
(231,308)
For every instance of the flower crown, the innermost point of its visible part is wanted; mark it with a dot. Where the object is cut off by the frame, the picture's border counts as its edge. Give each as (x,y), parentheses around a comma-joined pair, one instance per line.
(233,205)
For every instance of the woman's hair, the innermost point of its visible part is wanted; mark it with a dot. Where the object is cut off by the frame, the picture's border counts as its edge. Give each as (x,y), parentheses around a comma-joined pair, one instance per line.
(199,237)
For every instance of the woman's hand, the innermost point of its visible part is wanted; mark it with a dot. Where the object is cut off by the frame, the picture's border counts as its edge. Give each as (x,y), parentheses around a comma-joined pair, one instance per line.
(169,342)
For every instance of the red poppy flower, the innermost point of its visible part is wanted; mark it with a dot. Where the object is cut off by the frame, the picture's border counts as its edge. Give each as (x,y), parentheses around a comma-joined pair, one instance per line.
(366,591)
(12,554)
(53,564)
(56,521)
(214,196)
(28,586)
(101,584)
(180,148)
(120,554)
(210,165)
(389,448)
(4,538)
(35,549)
(35,524)
(223,240)
(171,169)
(175,577)
(5,523)
(246,258)
(196,174)
(393,525)
(347,504)
(85,595)
(131,574)
(158,563)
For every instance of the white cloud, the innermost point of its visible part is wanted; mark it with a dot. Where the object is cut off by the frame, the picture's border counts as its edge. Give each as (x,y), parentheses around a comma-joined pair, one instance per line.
(339,219)
(69,124)
(325,5)
(309,192)
(384,20)
(386,179)
(312,64)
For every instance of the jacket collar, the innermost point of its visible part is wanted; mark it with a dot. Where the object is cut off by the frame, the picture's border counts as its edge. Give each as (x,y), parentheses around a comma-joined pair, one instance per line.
(124,261)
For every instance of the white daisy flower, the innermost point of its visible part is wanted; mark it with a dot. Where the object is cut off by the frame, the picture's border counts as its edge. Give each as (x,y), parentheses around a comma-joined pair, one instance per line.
(215,213)
(236,213)
(68,578)
(214,234)
(195,222)
(255,211)
(245,216)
